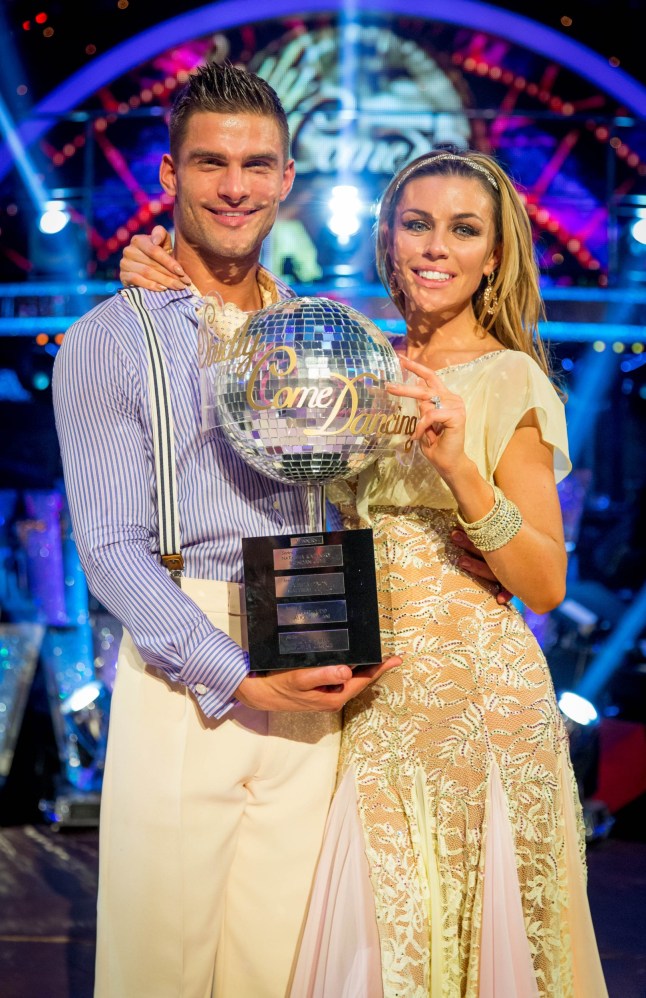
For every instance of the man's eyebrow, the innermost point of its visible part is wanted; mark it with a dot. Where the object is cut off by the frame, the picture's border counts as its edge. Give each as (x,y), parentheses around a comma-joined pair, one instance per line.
(206,154)
(269,156)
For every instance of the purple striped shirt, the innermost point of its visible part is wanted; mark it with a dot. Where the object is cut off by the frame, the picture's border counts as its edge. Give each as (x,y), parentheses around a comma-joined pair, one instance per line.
(104,427)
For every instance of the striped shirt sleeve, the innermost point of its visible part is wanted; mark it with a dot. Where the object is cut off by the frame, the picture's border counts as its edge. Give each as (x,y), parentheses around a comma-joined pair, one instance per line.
(106,461)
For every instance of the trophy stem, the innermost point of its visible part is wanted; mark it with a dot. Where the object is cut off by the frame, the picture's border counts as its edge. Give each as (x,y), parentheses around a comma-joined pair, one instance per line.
(316,507)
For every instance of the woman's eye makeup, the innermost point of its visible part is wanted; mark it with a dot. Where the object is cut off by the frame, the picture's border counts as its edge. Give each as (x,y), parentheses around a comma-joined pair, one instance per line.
(415,224)
(421,225)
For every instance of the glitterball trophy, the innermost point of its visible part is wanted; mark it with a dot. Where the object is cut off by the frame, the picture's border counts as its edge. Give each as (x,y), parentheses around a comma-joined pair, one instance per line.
(299,390)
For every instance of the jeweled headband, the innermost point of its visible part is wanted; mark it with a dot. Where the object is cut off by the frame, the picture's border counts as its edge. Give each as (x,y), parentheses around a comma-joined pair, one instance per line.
(442,157)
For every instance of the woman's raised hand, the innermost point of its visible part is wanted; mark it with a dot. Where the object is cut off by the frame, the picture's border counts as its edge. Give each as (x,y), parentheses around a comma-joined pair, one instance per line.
(440,427)
(147,263)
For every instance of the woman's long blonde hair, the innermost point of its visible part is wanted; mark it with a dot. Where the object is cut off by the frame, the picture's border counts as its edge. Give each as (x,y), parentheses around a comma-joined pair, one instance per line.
(519,305)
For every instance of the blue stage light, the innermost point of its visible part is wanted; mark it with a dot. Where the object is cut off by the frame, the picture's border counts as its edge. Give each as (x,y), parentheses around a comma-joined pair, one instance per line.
(638,231)
(54,218)
(345,210)
(576,708)
(41,381)
(84,696)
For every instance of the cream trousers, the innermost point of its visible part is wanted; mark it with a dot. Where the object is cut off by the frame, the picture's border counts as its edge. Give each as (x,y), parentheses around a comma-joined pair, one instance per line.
(210,833)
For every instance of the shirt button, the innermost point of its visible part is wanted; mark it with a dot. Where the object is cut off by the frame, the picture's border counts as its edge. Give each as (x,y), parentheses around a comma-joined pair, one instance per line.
(276,504)
(201,689)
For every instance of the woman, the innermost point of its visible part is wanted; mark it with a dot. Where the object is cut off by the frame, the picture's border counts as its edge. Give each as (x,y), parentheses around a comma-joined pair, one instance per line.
(459,759)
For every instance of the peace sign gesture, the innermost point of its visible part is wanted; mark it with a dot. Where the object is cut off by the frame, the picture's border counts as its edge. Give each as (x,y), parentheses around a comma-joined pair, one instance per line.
(440,428)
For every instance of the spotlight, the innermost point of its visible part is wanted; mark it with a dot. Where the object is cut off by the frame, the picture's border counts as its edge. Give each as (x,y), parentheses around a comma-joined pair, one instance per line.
(54,218)
(80,709)
(84,696)
(345,209)
(581,722)
(83,734)
(577,709)
(638,231)
(81,728)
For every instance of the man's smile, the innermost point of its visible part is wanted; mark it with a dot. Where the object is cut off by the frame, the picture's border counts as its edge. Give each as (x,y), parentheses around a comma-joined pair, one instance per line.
(232,217)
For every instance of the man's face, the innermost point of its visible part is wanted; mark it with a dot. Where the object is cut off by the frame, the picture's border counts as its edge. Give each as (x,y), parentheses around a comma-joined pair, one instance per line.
(228,179)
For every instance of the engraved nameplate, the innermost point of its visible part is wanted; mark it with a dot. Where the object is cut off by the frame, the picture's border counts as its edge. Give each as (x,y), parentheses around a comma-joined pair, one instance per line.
(321,556)
(306,539)
(309,585)
(299,642)
(320,612)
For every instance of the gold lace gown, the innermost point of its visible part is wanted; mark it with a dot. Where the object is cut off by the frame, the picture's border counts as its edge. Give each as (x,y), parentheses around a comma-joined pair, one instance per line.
(458,761)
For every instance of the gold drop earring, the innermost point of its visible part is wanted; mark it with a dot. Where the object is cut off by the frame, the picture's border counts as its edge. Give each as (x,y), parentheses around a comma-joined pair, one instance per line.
(489,296)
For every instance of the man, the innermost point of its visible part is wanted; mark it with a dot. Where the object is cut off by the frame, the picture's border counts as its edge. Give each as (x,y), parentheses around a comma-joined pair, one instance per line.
(214,798)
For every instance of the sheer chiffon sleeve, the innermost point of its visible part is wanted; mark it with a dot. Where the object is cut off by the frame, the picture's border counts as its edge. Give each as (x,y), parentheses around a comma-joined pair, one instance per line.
(519,387)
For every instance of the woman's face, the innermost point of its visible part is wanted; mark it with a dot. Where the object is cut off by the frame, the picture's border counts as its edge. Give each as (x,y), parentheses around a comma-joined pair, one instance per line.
(443,241)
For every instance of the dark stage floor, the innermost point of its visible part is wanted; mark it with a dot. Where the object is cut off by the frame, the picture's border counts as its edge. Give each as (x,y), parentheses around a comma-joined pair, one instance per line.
(47,912)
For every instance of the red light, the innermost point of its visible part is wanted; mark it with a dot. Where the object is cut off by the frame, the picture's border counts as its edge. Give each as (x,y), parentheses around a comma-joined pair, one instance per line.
(40,18)
(26,25)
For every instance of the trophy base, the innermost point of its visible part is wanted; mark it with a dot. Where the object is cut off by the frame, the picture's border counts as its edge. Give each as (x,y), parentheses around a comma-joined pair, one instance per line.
(311,600)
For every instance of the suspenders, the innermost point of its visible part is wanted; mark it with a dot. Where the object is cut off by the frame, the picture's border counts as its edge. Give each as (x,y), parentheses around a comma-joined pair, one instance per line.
(163,440)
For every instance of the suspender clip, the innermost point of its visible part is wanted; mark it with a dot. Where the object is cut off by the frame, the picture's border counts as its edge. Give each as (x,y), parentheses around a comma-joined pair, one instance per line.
(174,563)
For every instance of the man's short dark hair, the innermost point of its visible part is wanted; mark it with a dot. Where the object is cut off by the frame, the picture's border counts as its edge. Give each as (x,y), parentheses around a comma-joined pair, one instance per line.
(225,90)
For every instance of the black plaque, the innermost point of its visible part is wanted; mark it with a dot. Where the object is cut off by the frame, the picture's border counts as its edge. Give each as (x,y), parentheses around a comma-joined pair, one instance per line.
(311,600)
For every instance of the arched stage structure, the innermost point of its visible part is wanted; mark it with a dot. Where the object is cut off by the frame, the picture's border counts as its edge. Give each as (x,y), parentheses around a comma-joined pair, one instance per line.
(516,28)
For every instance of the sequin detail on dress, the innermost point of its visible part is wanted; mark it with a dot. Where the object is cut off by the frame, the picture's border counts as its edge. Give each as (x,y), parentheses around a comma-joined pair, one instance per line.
(468,363)
(473,697)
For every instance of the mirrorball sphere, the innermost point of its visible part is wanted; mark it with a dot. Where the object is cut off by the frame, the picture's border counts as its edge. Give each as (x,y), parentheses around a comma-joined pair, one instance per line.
(309,402)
